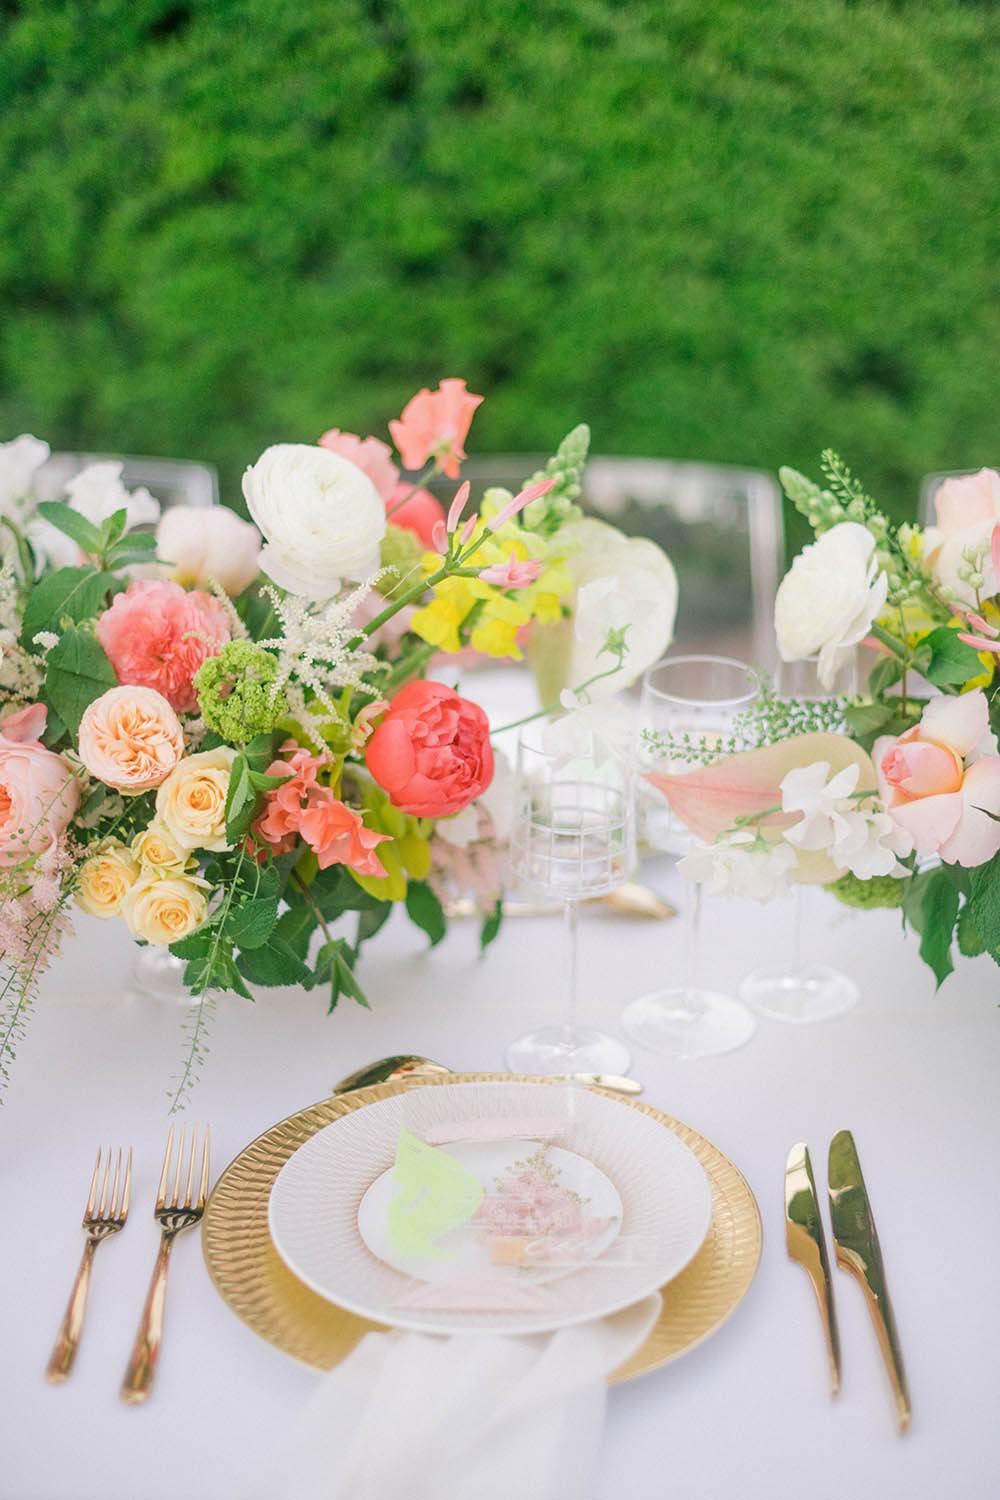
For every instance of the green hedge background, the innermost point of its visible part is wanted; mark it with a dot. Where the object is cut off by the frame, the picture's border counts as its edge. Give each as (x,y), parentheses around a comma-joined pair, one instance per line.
(715,229)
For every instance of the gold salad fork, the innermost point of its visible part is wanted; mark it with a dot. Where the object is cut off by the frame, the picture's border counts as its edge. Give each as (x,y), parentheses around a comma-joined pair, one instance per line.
(99,1220)
(173,1215)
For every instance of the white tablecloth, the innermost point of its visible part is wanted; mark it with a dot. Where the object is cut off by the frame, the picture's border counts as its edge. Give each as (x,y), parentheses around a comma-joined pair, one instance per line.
(746,1415)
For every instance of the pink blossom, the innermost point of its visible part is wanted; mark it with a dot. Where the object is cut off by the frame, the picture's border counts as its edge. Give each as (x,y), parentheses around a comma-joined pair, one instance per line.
(435,424)
(512,574)
(941,780)
(370,455)
(301,807)
(157,635)
(511,509)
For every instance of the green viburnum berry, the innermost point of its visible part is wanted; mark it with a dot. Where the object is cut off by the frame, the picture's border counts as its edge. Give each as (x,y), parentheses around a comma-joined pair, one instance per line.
(235,692)
(881,890)
(401,554)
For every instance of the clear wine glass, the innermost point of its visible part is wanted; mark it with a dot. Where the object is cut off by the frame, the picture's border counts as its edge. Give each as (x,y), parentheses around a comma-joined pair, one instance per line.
(572,838)
(698,697)
(796,989)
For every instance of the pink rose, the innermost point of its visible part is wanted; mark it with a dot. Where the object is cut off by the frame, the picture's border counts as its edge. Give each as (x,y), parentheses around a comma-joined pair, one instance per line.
(941,780)
(968,509)
(202,543)
(157,635)
(416,511)
(131,739)
(38,792)
(369,454)
(432,751)
(435,424)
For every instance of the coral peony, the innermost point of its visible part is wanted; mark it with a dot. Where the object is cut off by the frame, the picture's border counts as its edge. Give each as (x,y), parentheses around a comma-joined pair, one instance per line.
(38,793)
(432,751)
(371,456)
(435,424)
(416,511)
(157,636)
(131,739)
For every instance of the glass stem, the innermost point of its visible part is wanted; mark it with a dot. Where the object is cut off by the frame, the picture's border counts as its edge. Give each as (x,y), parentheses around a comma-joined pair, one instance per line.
(692,930)
(569,931)
(798,915)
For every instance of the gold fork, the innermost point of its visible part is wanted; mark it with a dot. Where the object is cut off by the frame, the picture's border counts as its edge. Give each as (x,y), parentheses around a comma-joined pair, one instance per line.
(99,1220)
(172,1216)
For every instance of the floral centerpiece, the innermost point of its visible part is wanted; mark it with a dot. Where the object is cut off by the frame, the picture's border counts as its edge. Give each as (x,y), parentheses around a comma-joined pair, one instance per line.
(889,797)
(231,736)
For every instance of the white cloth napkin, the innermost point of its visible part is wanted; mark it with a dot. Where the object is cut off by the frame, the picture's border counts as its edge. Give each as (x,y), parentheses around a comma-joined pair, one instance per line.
(424,1417)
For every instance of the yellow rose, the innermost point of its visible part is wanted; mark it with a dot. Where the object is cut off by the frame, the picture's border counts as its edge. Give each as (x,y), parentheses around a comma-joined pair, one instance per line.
(104,880)
(191,803)
(162,909)
(157,847)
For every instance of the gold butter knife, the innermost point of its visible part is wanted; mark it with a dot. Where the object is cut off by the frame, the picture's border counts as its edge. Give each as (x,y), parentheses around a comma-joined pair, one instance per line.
(807,1246)
(859,1252)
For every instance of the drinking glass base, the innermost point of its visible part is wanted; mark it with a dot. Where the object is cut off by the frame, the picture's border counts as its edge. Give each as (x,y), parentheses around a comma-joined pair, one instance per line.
(554,1049)
(689,1022)
(158,972)
(810,992)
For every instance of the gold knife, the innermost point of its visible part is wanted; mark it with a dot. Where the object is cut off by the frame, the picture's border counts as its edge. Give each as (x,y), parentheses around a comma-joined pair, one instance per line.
(858,1252)
(807,1245)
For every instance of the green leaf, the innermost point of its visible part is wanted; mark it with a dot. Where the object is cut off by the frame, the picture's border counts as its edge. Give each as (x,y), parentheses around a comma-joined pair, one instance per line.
(76,593)
(262,750)
(424,908)
(970,943)
(491,927)
(885,672)
(250,925)
(77,672)
(296,927)
(952,662)
(335,891)
(371,921)
(241,801)
(71,523)
(195,945)
(984,901)
(113,528)
(332,963)
(276,963)
(939,910)
(137,547)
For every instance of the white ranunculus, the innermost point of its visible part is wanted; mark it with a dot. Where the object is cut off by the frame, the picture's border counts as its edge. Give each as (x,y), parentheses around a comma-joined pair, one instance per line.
(202,543)
(619,582)
(18,461)
(322,518)
(828,599)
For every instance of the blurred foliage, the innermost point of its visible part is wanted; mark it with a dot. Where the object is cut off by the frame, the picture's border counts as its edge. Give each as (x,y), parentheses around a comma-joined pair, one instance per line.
(734,231)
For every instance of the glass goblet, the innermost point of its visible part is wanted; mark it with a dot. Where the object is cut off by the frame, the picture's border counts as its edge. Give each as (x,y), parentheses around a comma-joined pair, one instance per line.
(687,708)
(572,838)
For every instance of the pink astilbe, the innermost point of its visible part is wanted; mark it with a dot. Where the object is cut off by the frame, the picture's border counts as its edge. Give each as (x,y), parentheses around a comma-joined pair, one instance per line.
(157,635)
(303,808)
(435,425)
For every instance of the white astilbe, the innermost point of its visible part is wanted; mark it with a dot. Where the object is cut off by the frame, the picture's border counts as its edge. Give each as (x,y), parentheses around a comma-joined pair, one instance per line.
(238,630)
(314,649)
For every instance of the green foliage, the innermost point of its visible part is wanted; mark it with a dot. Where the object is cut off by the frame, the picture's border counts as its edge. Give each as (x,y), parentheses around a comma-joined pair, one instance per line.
(69,593)
(77,672)
(726,232)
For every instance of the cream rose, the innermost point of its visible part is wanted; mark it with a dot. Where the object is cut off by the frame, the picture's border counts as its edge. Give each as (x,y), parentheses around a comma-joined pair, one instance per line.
(162,909)
(191,803)
(321,516)
(828,599)
(105,879)
(201,544)
(131,739)
(156,846)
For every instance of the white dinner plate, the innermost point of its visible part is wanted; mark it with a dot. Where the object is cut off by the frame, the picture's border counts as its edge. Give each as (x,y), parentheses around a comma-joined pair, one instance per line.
(511,1207)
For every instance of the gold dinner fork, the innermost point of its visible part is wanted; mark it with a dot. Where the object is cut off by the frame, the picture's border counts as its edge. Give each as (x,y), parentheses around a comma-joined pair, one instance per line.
(172,1215)
(99,1220)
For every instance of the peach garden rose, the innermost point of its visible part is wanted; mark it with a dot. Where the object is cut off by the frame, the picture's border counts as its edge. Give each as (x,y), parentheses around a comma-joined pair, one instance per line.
(131,739)
(38,792)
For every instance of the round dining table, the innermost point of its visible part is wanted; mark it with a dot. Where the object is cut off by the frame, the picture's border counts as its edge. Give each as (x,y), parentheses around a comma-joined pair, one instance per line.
(911,1071)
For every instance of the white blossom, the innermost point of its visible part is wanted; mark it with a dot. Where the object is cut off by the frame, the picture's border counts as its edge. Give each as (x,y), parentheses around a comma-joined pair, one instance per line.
(19,460)
(856,832)
(827,601)
(96,492)
(740,864)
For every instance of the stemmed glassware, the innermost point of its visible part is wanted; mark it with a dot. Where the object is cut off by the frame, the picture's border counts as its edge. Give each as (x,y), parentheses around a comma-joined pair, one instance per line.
(697,699)
(796,988)
(572,838)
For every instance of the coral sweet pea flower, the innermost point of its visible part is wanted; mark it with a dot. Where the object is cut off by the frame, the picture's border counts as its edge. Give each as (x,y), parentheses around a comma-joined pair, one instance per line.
(941,780)
(435,424)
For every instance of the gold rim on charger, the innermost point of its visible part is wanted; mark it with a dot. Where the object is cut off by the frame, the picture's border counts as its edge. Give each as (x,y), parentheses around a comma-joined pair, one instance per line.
(257,1285)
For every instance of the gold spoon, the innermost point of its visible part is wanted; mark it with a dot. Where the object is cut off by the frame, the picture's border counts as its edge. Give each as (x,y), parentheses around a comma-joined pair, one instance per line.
(389,1069)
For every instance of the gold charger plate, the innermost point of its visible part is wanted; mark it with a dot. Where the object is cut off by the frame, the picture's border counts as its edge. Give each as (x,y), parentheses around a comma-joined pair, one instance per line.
(258,1286)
